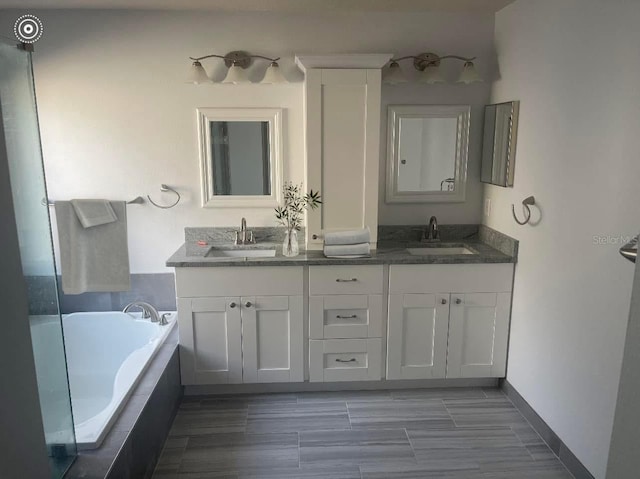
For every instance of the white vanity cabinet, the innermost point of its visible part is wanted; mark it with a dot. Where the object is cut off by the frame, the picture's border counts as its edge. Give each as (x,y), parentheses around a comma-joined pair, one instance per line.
(345,323)
(240,324)
(342,105)
(448,320)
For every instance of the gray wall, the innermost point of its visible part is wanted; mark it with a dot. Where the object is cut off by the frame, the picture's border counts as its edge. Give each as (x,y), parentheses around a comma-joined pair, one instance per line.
(22,447)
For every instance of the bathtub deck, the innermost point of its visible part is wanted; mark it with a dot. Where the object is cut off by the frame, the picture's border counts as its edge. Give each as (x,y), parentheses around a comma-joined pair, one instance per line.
(466,433)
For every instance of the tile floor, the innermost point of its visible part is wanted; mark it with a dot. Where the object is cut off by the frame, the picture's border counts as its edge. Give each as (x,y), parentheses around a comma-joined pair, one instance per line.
(465,433)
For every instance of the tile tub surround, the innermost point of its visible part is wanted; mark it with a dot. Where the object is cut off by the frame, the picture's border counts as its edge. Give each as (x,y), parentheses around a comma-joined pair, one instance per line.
(133,445)
(472,433)
(159,289)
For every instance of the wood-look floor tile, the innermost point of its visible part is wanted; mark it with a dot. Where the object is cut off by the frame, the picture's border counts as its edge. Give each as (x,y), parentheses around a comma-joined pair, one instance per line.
(277,417)
(463,438)
(367,446)
(486,458)
(523,469)
(527,435)
(541,452)
(240,452)
(421,471)
(307,472)
(208,421)
(494,392)
(399,414)
(342,396)
(483,412)
(439,393)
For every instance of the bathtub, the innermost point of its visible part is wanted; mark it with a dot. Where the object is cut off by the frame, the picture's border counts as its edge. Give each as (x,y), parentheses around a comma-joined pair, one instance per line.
(106,355)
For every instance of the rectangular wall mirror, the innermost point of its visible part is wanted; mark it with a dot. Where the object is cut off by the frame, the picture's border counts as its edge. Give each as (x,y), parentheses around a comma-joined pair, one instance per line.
(499,143)
(240,156)
(427,153)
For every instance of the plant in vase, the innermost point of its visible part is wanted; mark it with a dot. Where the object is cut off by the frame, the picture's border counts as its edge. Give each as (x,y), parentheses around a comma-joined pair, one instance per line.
(290,215)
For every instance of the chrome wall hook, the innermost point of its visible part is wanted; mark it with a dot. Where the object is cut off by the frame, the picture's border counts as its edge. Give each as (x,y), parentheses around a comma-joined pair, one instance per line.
(165,189)
(528,201)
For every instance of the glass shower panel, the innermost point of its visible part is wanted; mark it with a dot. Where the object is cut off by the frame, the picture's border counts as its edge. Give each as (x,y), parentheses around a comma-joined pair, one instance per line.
(19,119)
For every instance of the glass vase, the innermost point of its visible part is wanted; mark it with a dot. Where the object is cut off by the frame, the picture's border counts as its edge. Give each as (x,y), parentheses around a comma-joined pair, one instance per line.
(290,245)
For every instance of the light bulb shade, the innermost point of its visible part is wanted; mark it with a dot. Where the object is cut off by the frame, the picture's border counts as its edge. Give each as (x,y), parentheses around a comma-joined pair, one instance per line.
(394,75)
(197,74)
(274,74)
(431,74)
(236,75)
(469,74)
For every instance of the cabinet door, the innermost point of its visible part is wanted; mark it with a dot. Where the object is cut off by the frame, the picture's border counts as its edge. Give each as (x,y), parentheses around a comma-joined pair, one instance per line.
(417,336)
(478,332)
(343,131)
(210,340)
(272,339)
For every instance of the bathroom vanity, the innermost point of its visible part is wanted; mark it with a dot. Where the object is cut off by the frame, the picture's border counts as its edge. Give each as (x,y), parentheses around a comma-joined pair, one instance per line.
(398,315)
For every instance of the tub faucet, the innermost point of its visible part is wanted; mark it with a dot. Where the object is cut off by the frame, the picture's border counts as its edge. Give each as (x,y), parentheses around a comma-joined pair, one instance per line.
(148,312)
(431,233)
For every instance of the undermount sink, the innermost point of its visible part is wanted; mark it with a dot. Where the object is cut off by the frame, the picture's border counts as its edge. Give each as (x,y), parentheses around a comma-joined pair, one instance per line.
(439,250)
(241,253)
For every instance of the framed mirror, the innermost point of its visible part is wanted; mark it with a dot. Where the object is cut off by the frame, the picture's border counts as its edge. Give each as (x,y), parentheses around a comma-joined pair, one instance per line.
(240,156)
(499,143)
(427,149)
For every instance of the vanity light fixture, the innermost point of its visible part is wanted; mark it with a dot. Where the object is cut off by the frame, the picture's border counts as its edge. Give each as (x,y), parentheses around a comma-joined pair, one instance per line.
(237,62)
(428,64)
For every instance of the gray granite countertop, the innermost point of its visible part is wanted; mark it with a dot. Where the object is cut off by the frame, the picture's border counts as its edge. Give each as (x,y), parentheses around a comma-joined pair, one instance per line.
(387,253)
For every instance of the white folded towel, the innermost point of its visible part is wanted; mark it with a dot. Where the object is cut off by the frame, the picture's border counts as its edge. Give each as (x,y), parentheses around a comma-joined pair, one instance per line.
(94,212)
(348,237)
(347,250)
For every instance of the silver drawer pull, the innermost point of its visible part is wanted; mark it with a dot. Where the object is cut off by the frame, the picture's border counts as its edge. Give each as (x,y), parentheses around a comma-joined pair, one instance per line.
(353,316)
(339,280)
(352,360)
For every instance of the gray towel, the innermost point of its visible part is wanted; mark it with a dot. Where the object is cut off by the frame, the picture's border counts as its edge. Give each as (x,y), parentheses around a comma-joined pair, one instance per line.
(94,212)
(347,250)
(348,237)
(93,259)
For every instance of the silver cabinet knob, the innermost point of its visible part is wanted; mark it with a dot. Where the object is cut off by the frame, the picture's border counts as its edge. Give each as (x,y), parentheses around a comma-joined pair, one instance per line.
(232,305)
(458,301)
(443,301)
(248,304)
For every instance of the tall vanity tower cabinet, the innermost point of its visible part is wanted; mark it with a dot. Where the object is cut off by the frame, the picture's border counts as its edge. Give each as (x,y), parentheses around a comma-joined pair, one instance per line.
(342,112)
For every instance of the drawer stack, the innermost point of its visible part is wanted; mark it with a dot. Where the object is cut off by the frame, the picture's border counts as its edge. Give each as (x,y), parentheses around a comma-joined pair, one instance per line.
(345,323)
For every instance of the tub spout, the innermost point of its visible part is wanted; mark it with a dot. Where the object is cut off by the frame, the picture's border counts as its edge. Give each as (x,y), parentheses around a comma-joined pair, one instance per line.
(148,311)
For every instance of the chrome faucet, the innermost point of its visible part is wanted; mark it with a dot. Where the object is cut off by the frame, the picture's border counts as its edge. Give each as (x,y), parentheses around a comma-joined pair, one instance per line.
(241,236)
(431,232)
(148,312)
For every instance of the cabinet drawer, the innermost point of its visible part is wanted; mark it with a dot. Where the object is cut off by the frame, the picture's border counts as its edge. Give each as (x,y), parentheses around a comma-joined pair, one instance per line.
(345,280)
(461,278)
(345,360)
(345,316)
(239,281)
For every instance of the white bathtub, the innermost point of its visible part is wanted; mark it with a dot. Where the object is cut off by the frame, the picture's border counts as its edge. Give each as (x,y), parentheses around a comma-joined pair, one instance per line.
(106,355)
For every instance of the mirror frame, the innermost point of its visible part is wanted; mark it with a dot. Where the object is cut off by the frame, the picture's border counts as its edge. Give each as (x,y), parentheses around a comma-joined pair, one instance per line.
(271,115)
(508,175)
(396,112)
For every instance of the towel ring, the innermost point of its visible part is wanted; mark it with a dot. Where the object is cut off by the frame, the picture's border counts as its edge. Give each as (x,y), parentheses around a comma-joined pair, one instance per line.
(528,201)
(165,189)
